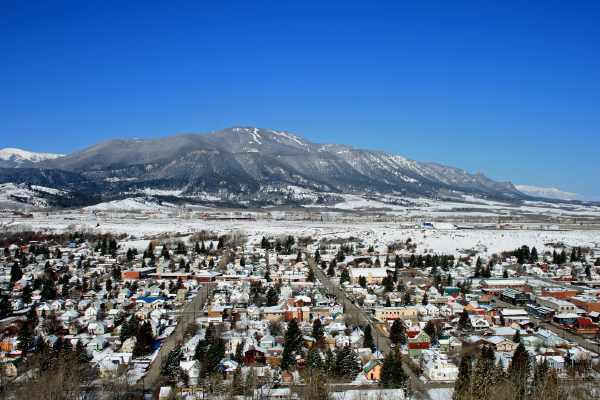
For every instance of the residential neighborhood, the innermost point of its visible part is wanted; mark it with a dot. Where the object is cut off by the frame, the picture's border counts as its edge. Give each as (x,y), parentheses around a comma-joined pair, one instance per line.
(206,315)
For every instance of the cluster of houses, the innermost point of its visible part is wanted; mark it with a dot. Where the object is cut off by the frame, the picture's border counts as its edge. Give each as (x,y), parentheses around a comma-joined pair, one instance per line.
(241,311)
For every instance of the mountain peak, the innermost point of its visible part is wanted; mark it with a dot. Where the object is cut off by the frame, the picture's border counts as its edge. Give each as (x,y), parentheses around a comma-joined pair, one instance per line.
(11,157)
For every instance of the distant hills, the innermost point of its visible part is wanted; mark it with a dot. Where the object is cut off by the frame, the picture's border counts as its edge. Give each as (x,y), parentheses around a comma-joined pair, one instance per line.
(548,193)
(244,165)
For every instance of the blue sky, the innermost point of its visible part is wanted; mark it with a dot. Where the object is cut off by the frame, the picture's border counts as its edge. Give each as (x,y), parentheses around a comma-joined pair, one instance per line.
(510,89)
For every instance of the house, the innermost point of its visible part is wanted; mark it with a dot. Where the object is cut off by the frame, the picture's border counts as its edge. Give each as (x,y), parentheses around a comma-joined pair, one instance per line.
(15,367)
(92,313)
(531,341)
(417,342)
(45,310)
(97,328)
(192,369)
(267,342)
(8,344)
(372,370)
(255,354)
(440,369)
(565,318)
(75,327)
(549,338)
(449,344)
(287,377)
(253,313)
(228,367)
(98,343)
(502,344)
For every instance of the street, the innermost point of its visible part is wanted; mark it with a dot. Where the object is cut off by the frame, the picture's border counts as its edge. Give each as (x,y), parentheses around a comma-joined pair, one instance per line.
(379,336)
(190,309)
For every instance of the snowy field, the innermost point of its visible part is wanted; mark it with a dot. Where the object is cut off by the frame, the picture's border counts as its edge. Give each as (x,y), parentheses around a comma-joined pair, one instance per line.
(379,234)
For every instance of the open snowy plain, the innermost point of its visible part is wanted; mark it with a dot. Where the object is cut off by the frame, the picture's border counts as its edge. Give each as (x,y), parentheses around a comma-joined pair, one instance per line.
(378,234)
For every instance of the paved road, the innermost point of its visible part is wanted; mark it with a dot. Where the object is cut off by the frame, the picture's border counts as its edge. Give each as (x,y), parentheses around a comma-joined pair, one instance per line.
(379,336)
(189,310)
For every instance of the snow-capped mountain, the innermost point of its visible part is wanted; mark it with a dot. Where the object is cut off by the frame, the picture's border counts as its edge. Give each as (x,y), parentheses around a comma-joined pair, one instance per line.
(13,157)
(242,162)
(548,193)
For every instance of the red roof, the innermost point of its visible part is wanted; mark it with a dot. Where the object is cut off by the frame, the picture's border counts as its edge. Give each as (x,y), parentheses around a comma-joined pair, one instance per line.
(585,322)
(412,334)
(422,345)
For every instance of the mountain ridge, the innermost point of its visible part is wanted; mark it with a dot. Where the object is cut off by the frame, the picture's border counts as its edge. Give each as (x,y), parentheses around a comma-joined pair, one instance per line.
(241,161)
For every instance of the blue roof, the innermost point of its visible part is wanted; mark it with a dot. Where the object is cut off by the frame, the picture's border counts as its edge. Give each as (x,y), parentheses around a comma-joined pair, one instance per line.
(150,299)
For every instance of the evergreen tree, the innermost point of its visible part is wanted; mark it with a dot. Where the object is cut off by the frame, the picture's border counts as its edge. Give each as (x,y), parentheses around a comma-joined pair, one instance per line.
(311,276)
(201,349)
(388,302)
(398,332)
(169,367)
(392,373)
(48,290)
(287,360)
(331,269)
(15,272)
(264,243)
(431,331)
(425,299)
(542,377)
(518,371)
(317,256)
(505,274)
(368,338)
(362,281)
(482,384)
(299,256)
(317,329)
(5,307)
(401,286)
(345,276)
(213,357)
(398,378)
(464,323)
(26,336)
(144,344)
(388,284)
(293,337)
(314,362)
(27,293)
(329,364)
(293,345)
(498,376)
(462,384)
(346,365)
(272,297)
(517,336)
(533,257)
(239,353)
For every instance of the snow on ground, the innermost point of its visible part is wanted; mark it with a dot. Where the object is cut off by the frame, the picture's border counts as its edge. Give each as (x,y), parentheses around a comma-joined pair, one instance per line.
(379,234)
(9,192)
(441,393)
(129,204)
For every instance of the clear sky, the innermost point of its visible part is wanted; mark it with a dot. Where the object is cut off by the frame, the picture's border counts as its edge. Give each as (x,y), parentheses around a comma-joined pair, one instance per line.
(511,89)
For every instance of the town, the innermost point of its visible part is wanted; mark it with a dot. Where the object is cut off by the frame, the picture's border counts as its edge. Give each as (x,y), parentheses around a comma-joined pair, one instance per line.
(204,315)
